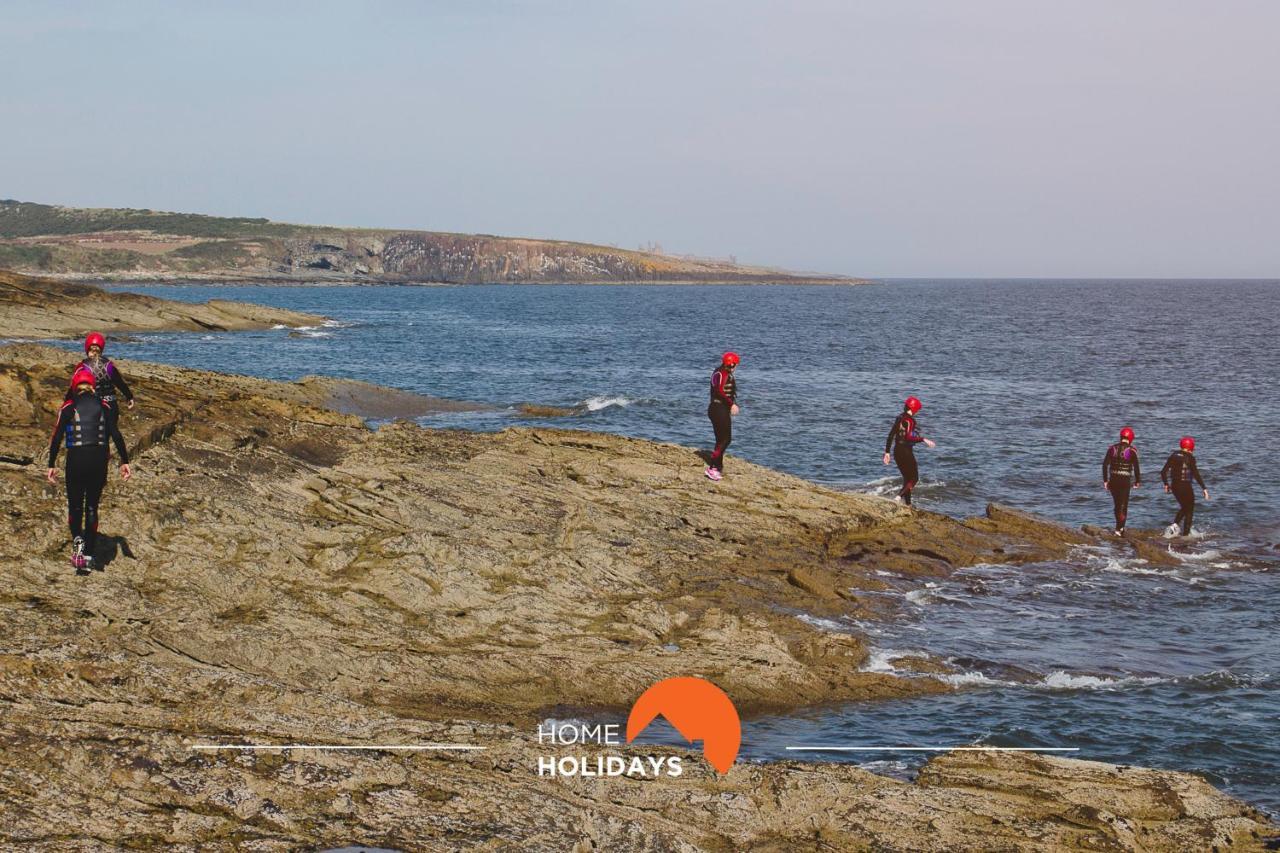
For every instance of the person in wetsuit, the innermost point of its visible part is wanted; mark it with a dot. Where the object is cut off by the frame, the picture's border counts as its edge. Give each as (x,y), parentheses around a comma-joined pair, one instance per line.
(1120,474)
(107,377)
(903,437)
(84,425)
(1177,474)
(721,409)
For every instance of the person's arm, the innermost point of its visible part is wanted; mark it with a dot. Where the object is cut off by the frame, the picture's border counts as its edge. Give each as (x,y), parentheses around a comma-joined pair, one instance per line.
(1137,470)
(118,378)
(1164,472)
(64,418)
(118,440)
(893,431)
(1106,467)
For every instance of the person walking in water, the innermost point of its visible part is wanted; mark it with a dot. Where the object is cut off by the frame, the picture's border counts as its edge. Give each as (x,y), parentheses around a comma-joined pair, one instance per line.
(723,406)
(85,423)
(1121,473)
(900,444)
(1177,474)
(107,377)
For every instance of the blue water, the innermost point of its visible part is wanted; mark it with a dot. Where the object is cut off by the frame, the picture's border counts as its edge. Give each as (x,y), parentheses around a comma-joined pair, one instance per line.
(1025,383)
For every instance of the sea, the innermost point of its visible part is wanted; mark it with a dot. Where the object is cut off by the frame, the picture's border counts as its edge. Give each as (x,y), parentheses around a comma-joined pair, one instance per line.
(1025,383)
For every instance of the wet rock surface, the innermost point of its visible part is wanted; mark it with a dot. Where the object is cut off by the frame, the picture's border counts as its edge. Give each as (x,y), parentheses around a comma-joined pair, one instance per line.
(278,572)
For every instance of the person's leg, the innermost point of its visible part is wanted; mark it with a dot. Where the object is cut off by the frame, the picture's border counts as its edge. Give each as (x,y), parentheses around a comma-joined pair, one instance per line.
(75,504)
(93,494)
(1186,496)
(722,423)
(906,460)
(1120,487)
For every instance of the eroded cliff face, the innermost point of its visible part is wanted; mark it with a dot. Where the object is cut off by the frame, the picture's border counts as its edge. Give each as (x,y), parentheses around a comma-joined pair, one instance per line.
(144,244)
(277,572)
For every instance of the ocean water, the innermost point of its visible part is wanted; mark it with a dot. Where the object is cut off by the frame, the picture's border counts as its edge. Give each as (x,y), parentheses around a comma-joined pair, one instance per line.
(1025,384)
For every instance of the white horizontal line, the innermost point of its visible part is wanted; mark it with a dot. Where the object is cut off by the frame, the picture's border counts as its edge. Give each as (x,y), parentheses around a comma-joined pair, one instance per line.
(934,748)
(337,746)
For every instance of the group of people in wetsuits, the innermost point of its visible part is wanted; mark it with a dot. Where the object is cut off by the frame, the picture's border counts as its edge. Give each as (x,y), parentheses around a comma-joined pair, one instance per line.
(1120,468)
(1122,472)
(87,425)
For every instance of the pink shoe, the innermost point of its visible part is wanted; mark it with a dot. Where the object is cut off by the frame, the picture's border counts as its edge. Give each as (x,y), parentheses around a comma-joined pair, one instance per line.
(713,474)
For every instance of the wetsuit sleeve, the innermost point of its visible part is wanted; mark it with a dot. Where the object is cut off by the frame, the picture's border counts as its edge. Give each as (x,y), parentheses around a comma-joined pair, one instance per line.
(118,378)
(1106,466)
(64,418)
(1137,470)
(118,440)
(893,431)
(717,387)
(1195,472)
(1164,472)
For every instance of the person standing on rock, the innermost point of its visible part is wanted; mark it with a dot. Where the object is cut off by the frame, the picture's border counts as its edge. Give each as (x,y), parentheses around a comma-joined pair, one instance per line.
(107,377)
(900,446)
(1177,474)
(85,423)
(723,406)
(1121,473)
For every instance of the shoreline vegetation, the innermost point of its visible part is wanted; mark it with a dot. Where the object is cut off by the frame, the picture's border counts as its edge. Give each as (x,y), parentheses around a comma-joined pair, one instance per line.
(121,245)
(278,571)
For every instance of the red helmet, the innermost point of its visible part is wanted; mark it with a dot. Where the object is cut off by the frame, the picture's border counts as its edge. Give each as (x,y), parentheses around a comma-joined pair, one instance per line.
(913,405)
(83,375)
(1126,434)
(95,339)
(1187,443)
(730,359)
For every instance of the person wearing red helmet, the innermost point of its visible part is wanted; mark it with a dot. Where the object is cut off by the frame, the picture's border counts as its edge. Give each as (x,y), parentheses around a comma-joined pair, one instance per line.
(723,406)
(900,446)
(1121,472)
(107,377)
(1177,474)
(85,424)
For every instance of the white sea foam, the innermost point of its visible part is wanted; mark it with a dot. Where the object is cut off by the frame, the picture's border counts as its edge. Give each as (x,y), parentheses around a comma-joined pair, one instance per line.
(595,404)
(279,326)
(824,624)
(973,678)
(1063,680)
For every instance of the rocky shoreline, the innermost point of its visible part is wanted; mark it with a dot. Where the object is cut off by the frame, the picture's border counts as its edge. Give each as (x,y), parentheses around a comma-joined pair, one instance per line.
(278,572)
(41,308)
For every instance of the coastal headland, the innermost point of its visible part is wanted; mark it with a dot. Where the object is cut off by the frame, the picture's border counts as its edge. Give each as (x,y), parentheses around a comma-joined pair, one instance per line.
(279,572)
(146,245)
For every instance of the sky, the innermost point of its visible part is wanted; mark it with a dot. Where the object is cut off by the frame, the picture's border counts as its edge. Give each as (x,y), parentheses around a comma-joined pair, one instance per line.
(931,138)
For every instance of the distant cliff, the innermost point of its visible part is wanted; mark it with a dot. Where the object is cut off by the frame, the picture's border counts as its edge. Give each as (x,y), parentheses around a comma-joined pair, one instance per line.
(144,244)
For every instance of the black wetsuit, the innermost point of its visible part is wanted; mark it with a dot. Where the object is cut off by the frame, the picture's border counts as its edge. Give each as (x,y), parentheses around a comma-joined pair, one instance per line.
(903,438)
(724,392)
(1121,472)
(84,425)
(1178,473)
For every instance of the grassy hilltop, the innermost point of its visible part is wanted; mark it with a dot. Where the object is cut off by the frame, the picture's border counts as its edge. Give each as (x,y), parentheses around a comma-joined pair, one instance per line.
(145,244)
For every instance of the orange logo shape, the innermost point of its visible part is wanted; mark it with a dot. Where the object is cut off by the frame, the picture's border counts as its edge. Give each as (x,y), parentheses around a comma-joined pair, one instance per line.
(699,711)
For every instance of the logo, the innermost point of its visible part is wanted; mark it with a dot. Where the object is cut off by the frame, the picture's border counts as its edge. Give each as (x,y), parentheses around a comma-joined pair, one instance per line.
(698,710)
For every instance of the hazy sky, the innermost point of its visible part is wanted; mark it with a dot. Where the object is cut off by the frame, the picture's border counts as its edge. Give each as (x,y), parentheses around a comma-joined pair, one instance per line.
(926,138)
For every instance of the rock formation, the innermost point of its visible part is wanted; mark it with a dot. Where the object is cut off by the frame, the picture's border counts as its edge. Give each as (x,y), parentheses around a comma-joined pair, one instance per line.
(278,572)
(40,308)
